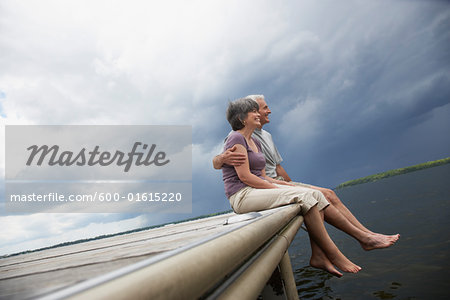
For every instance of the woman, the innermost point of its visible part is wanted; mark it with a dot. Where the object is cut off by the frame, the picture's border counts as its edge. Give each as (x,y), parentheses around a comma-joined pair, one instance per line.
(249,189)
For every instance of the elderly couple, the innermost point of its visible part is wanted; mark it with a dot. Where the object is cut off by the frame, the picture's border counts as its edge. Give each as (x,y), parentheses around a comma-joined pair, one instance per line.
(254,180)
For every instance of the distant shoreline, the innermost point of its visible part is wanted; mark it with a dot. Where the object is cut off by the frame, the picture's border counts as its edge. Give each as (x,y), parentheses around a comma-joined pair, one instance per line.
(395,172)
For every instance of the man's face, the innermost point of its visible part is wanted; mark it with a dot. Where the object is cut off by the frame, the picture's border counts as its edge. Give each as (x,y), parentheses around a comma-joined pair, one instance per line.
(264,111)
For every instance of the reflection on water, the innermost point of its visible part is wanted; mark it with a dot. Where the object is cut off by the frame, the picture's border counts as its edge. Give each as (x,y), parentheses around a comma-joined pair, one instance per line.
(416,205)
(313,283)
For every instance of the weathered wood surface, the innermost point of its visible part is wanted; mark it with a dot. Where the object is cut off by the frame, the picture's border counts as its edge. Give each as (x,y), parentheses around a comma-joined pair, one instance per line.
(30,275)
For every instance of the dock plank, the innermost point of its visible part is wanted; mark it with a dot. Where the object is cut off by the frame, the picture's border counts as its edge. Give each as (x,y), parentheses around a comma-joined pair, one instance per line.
(28,275)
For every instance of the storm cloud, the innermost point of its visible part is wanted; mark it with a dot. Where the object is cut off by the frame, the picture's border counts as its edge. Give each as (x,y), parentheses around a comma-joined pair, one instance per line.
(355,87)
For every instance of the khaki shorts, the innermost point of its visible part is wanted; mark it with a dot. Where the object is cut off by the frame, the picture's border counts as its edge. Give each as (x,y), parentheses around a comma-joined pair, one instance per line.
(249,199)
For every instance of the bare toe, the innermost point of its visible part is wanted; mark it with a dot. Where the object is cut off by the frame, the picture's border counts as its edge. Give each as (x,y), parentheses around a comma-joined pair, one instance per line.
(326,265)
(345,264)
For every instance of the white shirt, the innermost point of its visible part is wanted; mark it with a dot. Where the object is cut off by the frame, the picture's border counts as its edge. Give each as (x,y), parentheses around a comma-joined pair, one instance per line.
(270,151)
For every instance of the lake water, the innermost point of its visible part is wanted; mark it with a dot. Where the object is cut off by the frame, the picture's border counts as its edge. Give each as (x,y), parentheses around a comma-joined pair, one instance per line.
(416,205)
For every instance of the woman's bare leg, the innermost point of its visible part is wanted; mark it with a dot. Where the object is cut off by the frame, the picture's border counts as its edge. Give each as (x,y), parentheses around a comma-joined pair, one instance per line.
(319,235)
(319,259)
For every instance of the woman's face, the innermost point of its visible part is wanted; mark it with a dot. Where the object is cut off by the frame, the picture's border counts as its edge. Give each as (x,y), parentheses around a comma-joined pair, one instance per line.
(253,119)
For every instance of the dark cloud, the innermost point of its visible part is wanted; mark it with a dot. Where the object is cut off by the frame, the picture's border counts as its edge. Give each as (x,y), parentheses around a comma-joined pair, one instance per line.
(355,87)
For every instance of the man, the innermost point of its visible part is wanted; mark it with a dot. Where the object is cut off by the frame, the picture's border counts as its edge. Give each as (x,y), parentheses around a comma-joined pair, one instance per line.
(273,163)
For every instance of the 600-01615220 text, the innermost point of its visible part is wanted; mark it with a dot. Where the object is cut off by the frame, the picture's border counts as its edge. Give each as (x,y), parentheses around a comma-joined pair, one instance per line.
(98,196)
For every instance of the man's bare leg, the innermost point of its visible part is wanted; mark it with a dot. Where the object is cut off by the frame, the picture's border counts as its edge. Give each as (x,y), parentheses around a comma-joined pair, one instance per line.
(334,200)
(368,240)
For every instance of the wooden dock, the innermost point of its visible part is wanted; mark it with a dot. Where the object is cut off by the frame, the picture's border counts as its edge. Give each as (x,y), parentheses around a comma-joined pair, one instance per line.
(227,256)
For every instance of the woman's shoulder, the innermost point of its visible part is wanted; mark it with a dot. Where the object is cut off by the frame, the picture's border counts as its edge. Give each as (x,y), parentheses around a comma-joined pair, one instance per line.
(235,138)
(235,134)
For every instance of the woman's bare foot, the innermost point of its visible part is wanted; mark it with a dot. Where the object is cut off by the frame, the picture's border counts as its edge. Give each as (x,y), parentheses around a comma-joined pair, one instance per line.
(379,241)
(343,263)
(322,262)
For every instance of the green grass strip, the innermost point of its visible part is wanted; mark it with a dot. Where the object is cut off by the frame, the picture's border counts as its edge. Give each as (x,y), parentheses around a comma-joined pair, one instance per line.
(395,172)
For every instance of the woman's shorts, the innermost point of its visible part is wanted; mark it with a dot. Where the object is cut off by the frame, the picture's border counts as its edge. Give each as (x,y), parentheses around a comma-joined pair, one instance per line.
(249,199)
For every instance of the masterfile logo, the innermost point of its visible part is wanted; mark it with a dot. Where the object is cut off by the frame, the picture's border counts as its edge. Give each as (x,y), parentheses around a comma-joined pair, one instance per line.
(76,168)
(91,158)
(85,152)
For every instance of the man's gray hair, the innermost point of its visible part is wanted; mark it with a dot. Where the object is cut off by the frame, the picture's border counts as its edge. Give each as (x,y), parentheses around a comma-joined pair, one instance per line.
(256,97)
(237,111)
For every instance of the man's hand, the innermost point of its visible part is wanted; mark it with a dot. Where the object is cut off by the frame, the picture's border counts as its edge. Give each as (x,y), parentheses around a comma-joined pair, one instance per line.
(229,157)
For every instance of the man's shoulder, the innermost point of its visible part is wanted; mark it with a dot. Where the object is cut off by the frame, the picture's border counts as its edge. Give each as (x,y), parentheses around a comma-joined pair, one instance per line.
(262,134)
(226,138)
(265,132)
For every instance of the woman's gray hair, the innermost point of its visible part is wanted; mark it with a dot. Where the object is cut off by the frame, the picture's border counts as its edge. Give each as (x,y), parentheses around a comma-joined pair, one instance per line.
(237,111)
(256,97)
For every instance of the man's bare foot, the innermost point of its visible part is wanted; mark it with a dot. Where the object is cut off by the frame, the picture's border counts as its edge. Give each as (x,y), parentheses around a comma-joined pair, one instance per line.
(325,264)
(379,241)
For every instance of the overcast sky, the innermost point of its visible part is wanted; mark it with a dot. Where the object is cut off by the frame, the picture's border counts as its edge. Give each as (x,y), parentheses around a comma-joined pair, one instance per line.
(355,87)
